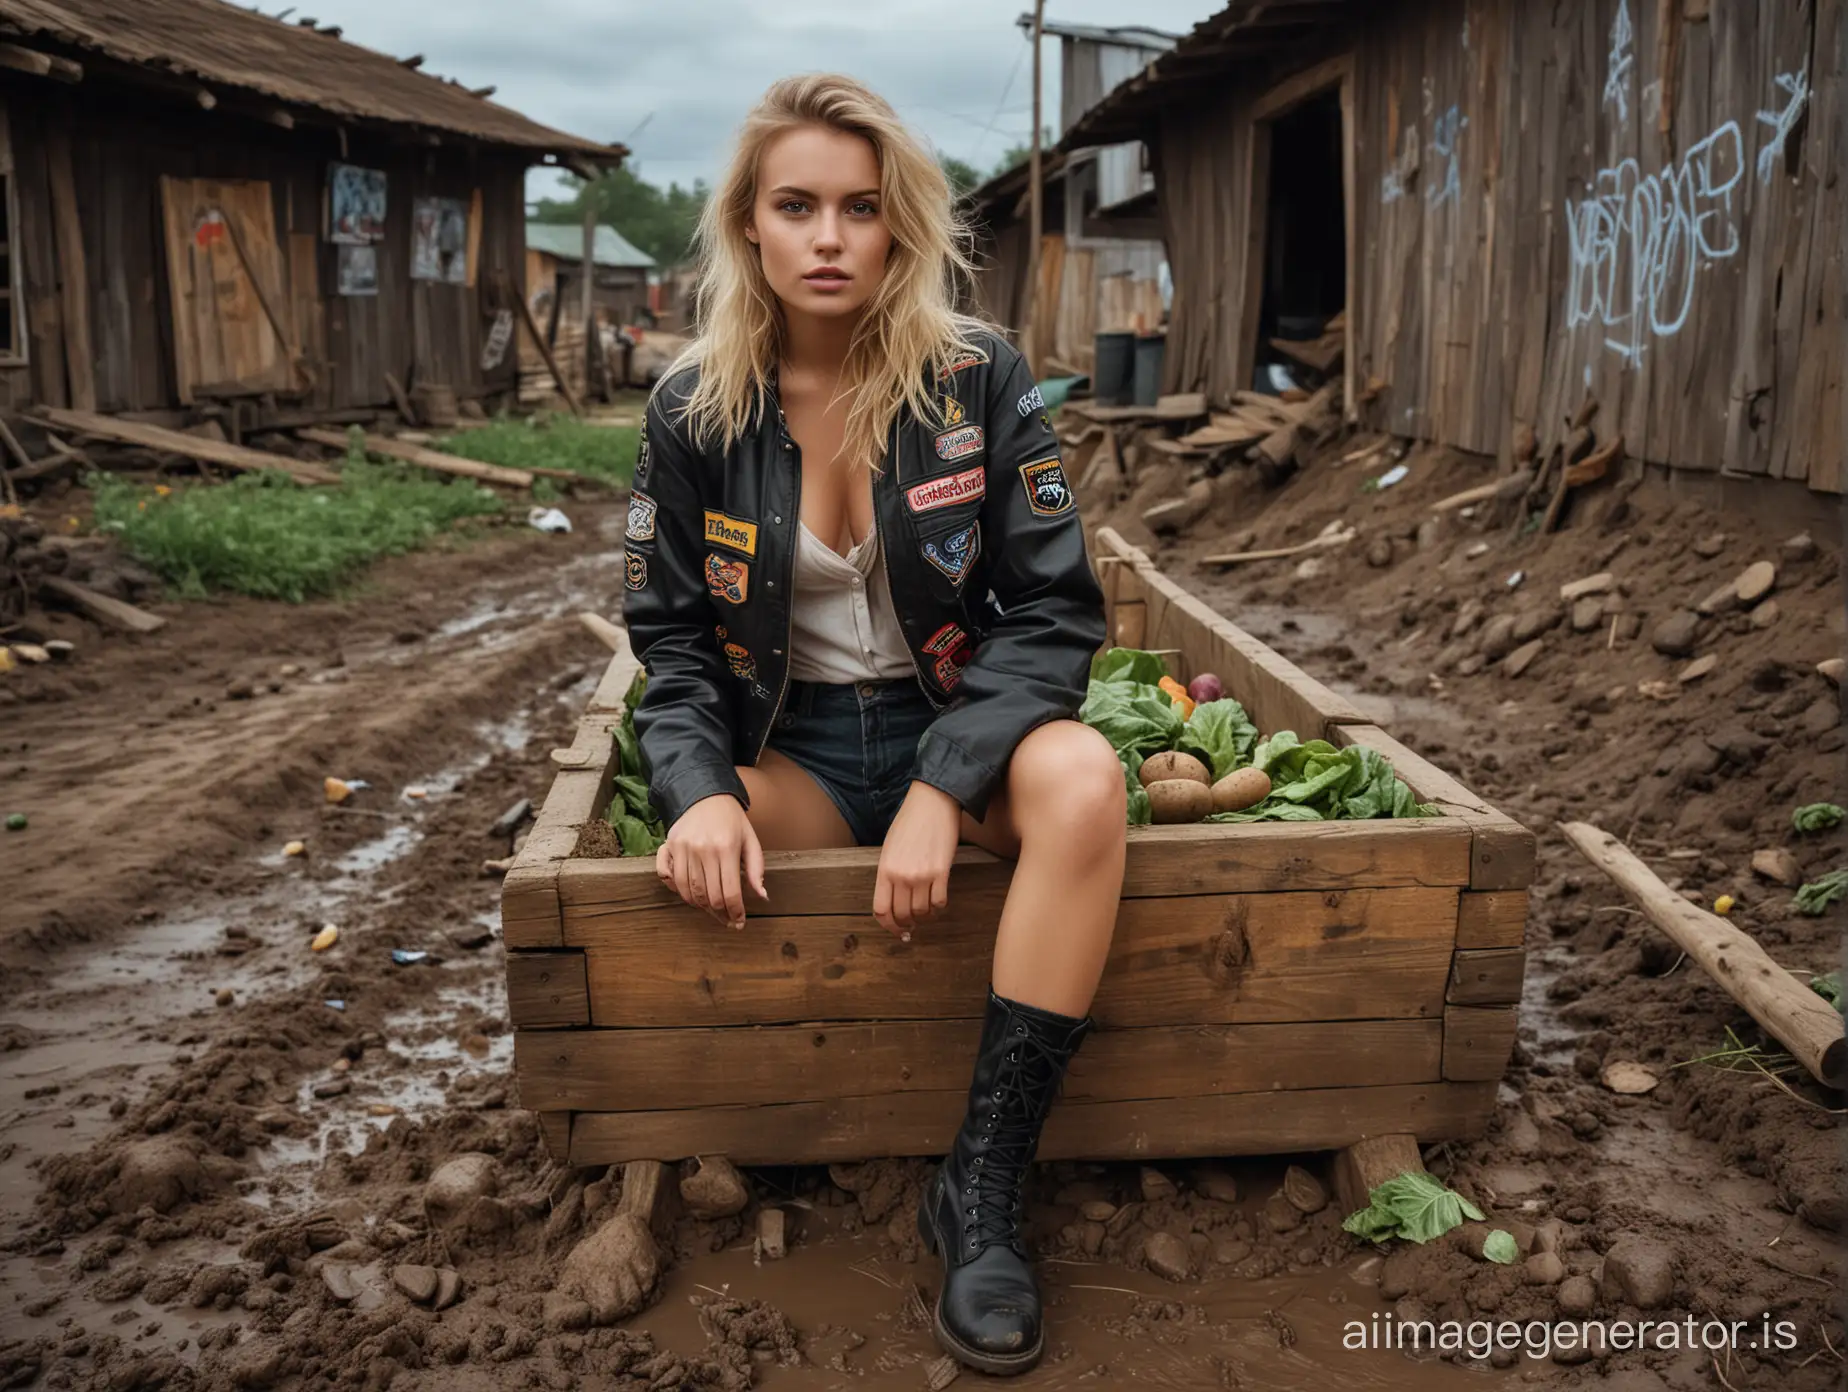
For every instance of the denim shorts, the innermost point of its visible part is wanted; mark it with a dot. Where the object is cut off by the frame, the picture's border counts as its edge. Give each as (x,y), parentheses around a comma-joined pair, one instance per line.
(858,740)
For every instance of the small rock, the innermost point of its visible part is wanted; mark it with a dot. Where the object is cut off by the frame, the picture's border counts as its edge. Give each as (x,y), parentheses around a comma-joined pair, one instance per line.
(1282,1215)
(1719,601)
(470,935)
(61,649)
(31,652)
(240,690)
(1800,547)
(565,1314)
(1522,658)
(1574,590)
(448,1289)
(1674,635)
(1778,865)
(1710,545)
(1544,1269)
(1755,582)
(258,1365)
(715,1189)
(1498,638)
(1168,1257)
(1698,668)
(1531,623)
(1629,1078)
(1831,668)
(225,996)
(1550,1236)
(1468,616)
(1214,1183)
(1639,1271)
(941,1374)
(1764,615)
(1156,1185)
(417,1282)
(339,1282)
(1822,716)
(1229,1250)
(1471,665)
(1379,552)
(772,1242)
(1398,1274)
(1304,1191)
(1587,614)
(333,1087)
(1090,1237)
(458,1183)
(1577,1296)
(1098,1210)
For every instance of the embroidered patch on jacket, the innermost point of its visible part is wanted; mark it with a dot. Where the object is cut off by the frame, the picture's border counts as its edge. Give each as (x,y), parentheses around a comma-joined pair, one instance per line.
(1047,492)
(953,413)
(959,444)
(739,535)
(950,647)
(966,360)
(728,580)
(641,517)
(641,454)
(951,488)
(739,659)
(956,553)
(1030,403)
(635,569)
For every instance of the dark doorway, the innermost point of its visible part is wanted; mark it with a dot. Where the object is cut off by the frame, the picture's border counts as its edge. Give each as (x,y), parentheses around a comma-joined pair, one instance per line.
(1305,264)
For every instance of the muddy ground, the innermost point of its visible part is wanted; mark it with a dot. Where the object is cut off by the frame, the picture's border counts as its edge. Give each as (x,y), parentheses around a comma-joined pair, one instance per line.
(217,1142)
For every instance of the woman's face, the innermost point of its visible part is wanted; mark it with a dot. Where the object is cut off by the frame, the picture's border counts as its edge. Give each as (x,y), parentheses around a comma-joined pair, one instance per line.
(819,221)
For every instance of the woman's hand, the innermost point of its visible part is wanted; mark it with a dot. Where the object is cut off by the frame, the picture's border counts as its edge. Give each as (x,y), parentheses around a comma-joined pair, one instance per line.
(699,860)
(914,864)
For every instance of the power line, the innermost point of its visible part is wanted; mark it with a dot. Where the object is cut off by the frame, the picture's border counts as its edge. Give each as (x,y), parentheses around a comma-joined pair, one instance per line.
(1006,92)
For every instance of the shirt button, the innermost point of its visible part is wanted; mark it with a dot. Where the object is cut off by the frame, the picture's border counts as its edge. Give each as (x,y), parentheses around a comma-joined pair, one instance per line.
(778,519)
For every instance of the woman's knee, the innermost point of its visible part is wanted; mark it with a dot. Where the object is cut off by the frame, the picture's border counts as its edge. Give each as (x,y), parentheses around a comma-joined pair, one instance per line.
(1065,780)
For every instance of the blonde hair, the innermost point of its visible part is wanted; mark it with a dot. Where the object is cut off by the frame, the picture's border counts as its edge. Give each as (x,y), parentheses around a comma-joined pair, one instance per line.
(910,324)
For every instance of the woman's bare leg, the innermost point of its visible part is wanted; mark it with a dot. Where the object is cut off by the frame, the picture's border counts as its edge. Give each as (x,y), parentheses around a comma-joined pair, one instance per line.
(789,811)
(1061,815)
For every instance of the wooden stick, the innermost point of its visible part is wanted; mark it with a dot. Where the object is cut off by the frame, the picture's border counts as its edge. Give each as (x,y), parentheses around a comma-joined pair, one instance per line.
(424,458)
(1234,557)
(176,442)
(545,351)
(396,388)
(102,607)
(609,633)
(1510,485)
(1791,1013)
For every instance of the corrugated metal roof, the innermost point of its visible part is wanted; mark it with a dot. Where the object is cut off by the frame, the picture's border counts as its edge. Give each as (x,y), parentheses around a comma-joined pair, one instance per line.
(221,44)
(566,242)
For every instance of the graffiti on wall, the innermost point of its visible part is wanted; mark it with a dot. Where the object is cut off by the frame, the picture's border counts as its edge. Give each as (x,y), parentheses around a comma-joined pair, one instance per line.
(1444,146)
(1621,62)
(1796,96)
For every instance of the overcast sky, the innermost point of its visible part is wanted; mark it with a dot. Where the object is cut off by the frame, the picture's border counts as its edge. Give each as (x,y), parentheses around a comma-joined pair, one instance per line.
(672,79)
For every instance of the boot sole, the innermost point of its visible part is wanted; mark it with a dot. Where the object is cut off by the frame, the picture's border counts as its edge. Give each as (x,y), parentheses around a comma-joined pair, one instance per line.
(995,1364)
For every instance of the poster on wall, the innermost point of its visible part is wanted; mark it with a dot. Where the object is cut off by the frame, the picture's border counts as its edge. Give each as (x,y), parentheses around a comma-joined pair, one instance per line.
(355,205)
(359,270)
(439,240)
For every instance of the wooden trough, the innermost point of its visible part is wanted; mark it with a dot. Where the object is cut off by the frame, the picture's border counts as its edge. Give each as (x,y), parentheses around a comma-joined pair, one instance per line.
(1272,987)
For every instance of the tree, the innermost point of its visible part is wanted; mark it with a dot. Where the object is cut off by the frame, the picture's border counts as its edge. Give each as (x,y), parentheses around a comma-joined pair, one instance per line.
(659,221)
(1015,154)
(965,178)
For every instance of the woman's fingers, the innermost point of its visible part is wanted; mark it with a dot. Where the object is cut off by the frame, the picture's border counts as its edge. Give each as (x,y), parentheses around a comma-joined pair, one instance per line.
(754,862)
(730,895)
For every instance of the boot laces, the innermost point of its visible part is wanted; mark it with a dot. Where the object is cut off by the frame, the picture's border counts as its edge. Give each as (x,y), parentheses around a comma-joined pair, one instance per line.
(1011,1117)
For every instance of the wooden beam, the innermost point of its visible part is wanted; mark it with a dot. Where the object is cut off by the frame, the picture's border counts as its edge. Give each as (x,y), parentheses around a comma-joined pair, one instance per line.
(434,460)
(545,352)
(1298,88)
(30,61)
(1487,976)
(101,607)
(545,990)
(73,275)
(175,442)
(1478,1041)
(1363,1167)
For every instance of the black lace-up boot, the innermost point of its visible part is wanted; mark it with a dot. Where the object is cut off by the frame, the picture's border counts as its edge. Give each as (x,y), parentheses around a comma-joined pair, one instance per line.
(988,1313)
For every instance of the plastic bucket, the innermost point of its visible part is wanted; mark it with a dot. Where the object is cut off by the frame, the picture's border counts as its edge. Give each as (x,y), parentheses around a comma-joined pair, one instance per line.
(1113,374)
(1147,380)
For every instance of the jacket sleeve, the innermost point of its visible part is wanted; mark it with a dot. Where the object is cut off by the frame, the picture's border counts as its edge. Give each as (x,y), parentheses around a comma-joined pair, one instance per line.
(684,721)
(1033,663)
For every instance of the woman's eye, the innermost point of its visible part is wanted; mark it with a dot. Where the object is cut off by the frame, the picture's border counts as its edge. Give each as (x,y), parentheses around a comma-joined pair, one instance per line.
(794,205)
(864,209)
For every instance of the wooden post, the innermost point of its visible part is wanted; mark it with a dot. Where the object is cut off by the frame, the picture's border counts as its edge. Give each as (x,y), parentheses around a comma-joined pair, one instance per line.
(1036,214)
(72,273)
(587,274)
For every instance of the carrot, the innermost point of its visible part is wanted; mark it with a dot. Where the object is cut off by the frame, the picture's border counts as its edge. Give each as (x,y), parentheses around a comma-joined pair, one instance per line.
(1178,694)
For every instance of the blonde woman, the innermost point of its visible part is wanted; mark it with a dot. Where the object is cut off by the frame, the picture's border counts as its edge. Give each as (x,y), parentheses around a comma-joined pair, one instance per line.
(856,576)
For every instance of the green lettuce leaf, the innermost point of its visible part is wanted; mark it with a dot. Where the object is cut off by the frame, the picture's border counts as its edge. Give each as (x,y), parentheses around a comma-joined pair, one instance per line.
(1131,716)
(1128,665)
(1821,892)
(1412,1205)
(634,793)
(1220,735)
(1139,813)
(637,838)
(1499,1247)
(1817,816)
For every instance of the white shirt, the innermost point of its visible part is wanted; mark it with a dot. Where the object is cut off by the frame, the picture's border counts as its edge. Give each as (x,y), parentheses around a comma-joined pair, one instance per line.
(843,626)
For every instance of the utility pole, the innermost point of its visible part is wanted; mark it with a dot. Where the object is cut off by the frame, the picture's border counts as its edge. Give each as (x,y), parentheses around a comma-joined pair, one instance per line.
(1036,214)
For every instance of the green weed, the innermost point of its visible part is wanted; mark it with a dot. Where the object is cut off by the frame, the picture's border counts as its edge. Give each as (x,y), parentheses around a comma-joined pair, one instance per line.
(605,452)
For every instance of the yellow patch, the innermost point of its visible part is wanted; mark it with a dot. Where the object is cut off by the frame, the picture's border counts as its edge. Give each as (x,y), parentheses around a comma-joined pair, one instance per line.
(953,413)
(731,531)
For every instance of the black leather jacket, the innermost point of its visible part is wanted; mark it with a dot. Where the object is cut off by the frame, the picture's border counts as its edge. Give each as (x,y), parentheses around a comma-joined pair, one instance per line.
(983,551)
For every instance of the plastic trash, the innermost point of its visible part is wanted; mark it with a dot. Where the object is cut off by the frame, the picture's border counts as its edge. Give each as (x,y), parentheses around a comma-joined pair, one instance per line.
(548,520)
(1396,474)
(406,958)
(1514,581)
(334,1004)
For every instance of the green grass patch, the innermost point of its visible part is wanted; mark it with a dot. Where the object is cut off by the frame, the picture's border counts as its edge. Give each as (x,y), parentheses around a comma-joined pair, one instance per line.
(264,535)
(605,452)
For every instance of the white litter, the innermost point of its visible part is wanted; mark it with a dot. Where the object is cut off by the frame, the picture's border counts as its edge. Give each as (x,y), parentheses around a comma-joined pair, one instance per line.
(548,520)
(1515,580)
(1393,475)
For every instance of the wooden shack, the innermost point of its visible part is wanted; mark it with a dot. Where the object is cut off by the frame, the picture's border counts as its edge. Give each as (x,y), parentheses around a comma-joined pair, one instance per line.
(1272,987)
(1521,208)
(212,211)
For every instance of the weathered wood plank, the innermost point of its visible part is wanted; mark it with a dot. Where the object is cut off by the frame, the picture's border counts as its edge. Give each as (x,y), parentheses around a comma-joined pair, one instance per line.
(1487,976)
(1492,918)
(1227,959)
(1364,1166)
(555,1128)
(435,460)
(924,1124)
(176,442)
(1478,1041)
(547,990)
(73,273)
(642,1070)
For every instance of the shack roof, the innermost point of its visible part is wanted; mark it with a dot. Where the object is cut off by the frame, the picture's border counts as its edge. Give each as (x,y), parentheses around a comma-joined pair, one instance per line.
(224,45)
(566,242)
(1245,31)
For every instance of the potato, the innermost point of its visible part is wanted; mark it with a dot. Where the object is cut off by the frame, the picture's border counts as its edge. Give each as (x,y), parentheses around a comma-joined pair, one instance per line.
(1179,800)
(1241,788)
(1158,768)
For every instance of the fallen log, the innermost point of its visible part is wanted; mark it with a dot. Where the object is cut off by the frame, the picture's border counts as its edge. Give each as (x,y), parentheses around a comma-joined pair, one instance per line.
(1799,1019)
(1482,493)
(424,458)
(155,437)
(1326,539)
(101,607)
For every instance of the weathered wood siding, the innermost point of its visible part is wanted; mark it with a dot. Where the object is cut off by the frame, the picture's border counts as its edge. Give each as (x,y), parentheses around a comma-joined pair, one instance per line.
(122,144)
(1640,201)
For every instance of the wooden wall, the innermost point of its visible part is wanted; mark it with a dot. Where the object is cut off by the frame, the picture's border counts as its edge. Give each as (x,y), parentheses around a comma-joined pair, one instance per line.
(122,143)
(1638,201)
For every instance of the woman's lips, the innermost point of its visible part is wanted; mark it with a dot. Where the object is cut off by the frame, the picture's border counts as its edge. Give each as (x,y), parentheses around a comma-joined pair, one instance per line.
(827,280)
